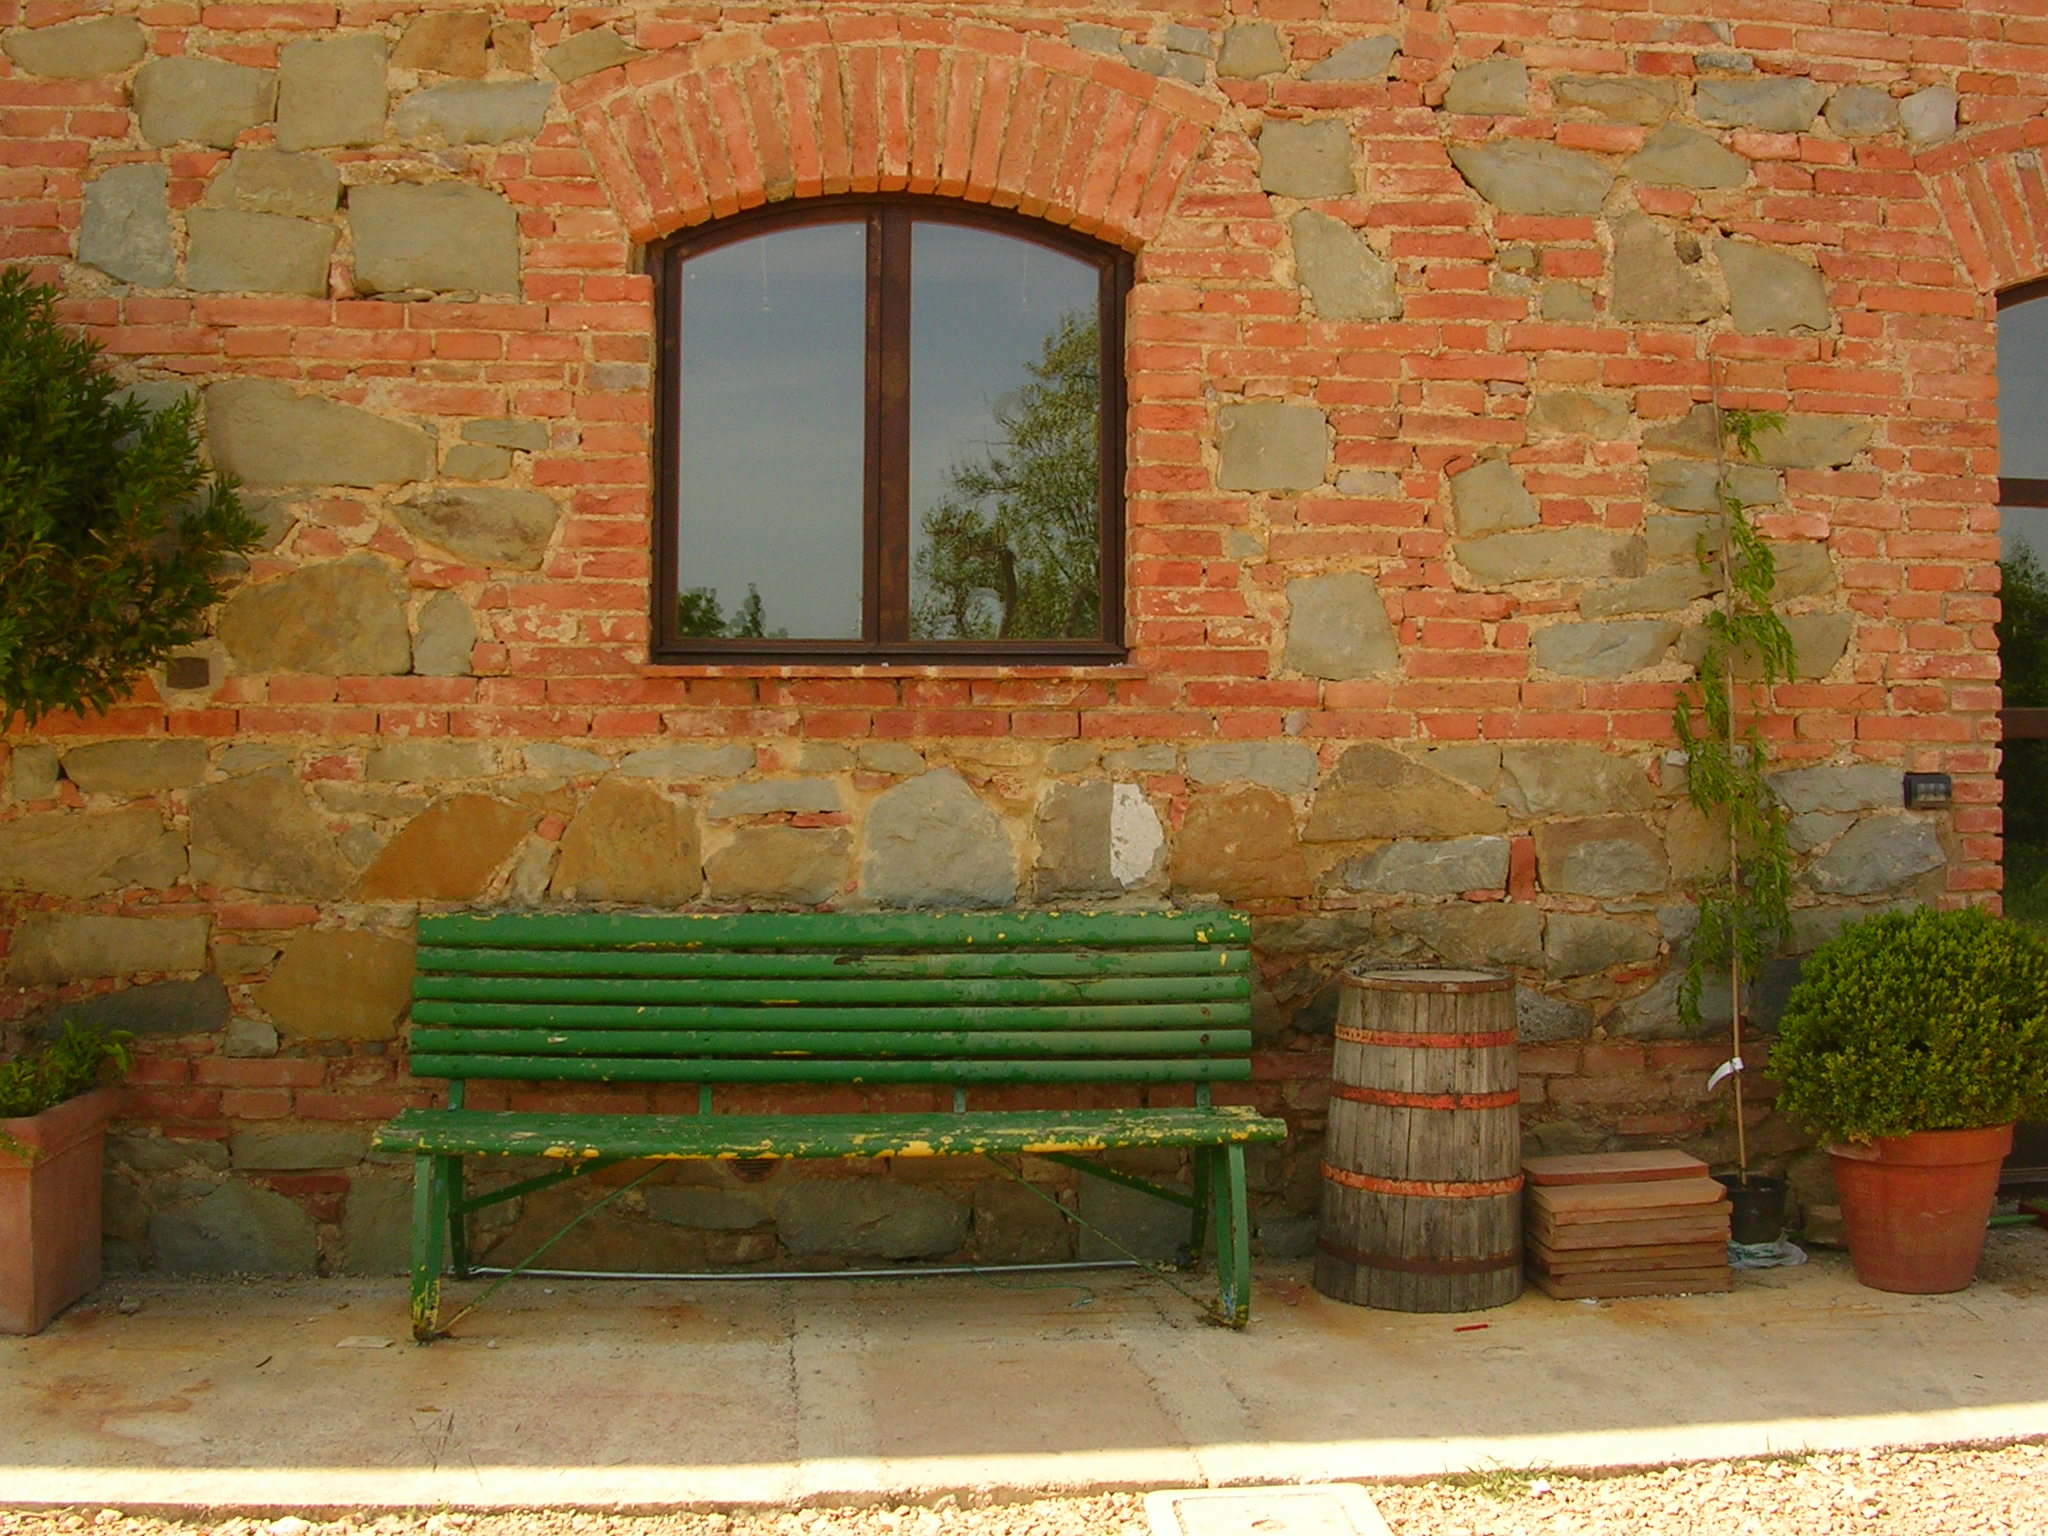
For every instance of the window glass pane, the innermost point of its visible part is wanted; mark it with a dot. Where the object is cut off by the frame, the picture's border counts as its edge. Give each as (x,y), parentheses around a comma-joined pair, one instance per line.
(2023,391)
(1005,407)
(772,446)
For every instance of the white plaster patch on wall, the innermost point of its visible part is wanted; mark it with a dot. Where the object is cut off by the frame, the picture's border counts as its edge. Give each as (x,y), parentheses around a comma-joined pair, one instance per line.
(1135,836)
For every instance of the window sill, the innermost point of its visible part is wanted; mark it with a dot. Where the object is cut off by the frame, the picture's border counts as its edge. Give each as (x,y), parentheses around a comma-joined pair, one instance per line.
(1111,670)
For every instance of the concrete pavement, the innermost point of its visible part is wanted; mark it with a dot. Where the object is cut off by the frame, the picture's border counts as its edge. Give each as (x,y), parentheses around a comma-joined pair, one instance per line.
(276,1394)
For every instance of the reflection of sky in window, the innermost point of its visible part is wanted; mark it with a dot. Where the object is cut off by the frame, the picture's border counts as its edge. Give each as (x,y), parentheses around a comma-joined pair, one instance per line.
(773,440)
(2023,416)
(982,305)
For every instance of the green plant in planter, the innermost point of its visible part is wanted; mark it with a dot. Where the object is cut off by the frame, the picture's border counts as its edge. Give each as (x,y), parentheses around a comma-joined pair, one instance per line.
(1917,1021)
(1742,908)
(113,532)
(77,1061)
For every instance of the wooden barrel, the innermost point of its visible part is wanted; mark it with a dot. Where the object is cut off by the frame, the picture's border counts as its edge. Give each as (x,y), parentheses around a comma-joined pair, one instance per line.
(1422,1170)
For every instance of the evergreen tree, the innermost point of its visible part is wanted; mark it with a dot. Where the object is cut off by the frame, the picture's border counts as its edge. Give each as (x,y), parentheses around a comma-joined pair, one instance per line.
(113,533)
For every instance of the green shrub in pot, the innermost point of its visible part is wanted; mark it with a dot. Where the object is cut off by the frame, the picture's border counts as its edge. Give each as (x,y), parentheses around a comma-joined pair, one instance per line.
(77,1061)
(1913,1042)
(1917,1021)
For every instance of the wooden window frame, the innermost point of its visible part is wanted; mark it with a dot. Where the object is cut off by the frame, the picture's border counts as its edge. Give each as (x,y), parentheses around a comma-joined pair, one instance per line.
(2021,490)
(886,533)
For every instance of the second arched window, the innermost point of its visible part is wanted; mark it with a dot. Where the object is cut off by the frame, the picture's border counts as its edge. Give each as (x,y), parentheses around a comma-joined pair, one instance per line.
(891,430)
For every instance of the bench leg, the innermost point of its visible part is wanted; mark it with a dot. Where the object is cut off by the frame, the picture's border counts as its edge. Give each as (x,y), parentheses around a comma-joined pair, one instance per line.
(1198,1225)
(429,1239)
(458,1219)
(1233,1237)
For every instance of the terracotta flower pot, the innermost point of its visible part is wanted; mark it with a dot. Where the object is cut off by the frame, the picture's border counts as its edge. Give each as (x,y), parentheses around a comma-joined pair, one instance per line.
(50,1208)
(1915,1207)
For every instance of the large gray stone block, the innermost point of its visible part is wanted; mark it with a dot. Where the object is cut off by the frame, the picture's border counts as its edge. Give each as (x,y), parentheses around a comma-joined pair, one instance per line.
(1447,868)
(932,842)
(257,833)
(1851,787)
(1929,116)
(264,433)
(77,50)
(1363,58)
(125,229)
(345,618)
(198,1006)
(771,797)
(137,765)
(260,180)
(474,112)
(298,1148)
(1489,497)
(1477,933)
(588,52)
(446,237)
(1551,554)
(1306,159)
(1095,839)
(1584,944)
(1677,156)
(428,760)
(1652,282)
(1877,854)
(630,843)
(1521,177)
(1251,49)
(446,43)
(1771,290)
(67,853)
(233,252)
(1377,792)
(687,760)
(1609,649)
(52,947)
(1618,98)
(1776,104)
(1496,85)
(869,1218)
(376,1225)
(1569,779)
(1665,590)
(1862,111)
(1272,445)
(443,637)
(784,865)
(1604,856)
(1288,766)
(332,92)
(32,772)
(1697,486)
(1337,627)
(500,527)
(1345,277)
(1579,413)
(186,100)
(239,1228)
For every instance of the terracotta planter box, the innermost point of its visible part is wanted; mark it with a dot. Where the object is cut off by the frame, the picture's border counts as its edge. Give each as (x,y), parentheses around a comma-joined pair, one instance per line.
(50,1208)
(1916,1206)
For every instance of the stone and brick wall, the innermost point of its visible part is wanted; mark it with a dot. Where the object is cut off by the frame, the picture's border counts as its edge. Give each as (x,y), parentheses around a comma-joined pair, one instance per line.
(1431,304)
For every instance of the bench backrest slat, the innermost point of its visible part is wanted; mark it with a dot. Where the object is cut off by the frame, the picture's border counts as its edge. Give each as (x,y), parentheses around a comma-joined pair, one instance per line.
(1051,997)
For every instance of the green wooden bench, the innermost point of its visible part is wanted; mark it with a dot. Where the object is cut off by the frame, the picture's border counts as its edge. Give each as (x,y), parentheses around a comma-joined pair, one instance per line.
(961,1001)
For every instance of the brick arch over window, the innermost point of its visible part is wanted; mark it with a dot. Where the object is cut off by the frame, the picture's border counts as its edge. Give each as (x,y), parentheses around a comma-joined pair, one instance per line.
(1993,191)
(1008,118)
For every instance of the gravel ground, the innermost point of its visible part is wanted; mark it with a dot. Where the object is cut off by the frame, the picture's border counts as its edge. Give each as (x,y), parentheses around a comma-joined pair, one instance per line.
(1966,1492)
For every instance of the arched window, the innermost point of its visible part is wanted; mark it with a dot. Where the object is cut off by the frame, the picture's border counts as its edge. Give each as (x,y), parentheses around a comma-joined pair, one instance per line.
(891,429)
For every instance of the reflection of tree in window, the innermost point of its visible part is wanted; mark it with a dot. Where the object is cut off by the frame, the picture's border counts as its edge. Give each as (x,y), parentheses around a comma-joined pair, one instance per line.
(699,617)
(1012,549)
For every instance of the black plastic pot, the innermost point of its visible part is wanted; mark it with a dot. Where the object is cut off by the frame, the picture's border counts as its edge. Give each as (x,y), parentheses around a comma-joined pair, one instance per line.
(1756,1207)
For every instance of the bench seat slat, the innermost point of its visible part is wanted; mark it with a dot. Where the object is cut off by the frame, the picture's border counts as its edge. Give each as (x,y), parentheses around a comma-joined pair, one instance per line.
(856,1135)
(833,965)
(768,992)
(800,1069)
(835,930)
(841,1043)
(1112,1016)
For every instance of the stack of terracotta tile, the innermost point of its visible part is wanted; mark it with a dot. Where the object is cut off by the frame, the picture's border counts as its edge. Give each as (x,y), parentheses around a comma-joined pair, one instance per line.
(1624,1224)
